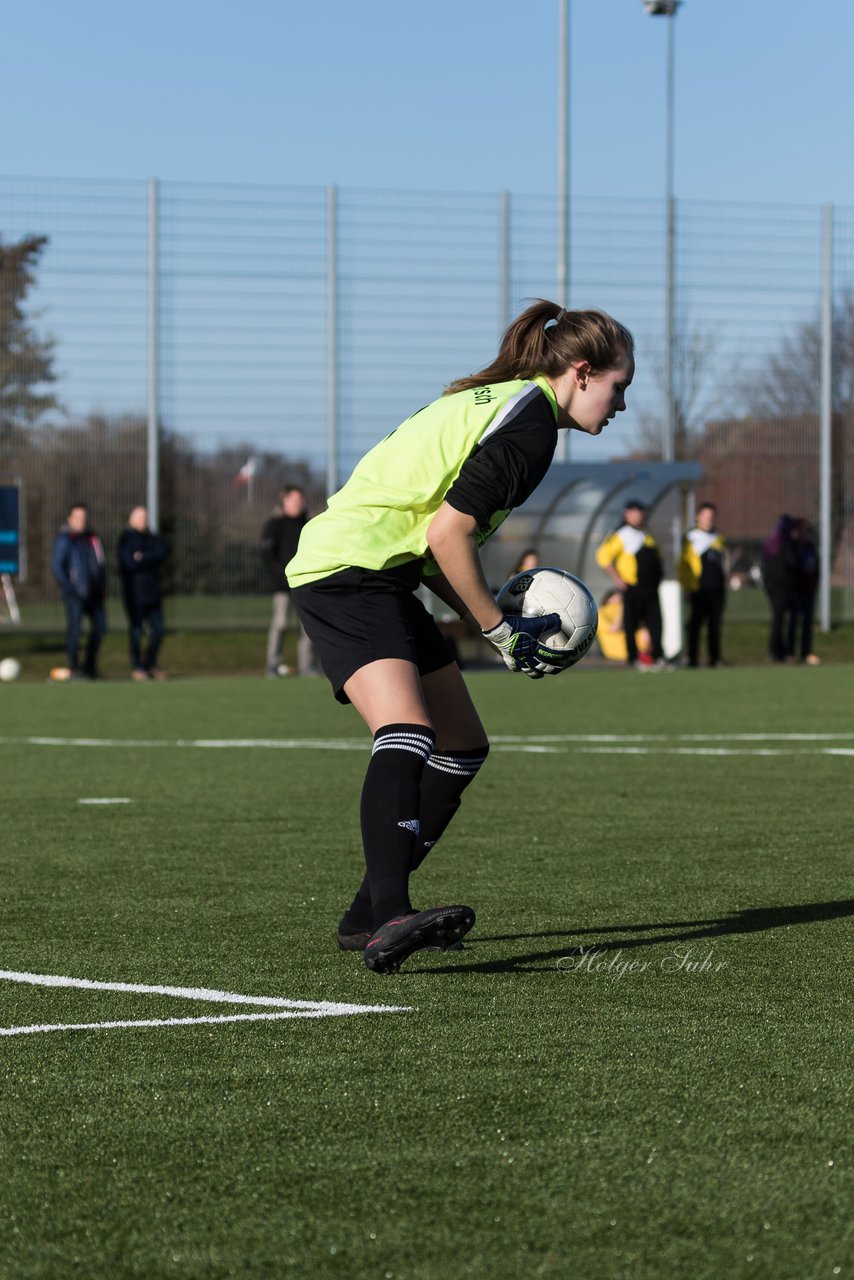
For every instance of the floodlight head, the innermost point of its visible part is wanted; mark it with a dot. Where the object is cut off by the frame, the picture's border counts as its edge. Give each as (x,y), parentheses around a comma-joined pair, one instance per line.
(667,8)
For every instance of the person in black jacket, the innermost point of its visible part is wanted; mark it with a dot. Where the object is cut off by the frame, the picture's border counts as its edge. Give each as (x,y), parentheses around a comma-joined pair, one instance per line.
(279,539)
(779,563)
(803,591)
(77,563)
(141,553)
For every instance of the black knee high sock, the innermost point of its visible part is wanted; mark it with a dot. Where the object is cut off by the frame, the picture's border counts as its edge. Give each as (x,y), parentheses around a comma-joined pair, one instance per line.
(389,815)
(446,777)
(443,781)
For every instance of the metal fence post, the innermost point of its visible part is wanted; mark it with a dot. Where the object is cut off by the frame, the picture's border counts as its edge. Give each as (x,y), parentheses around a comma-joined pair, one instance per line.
(563,185)
(331,339)
(563,247)
(153,396)
(504,260)
(671,451)
(826,422)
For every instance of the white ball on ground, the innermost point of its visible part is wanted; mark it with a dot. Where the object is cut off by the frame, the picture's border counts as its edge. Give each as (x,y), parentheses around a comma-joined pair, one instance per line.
(10,669)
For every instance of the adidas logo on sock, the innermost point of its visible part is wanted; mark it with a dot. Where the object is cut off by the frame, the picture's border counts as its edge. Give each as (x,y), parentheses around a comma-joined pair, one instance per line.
(411,824)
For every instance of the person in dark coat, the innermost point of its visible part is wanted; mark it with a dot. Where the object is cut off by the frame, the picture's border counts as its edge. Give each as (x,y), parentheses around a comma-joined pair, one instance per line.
(141,553)
(279,539)
(77,563)
(778,574)
(803,593)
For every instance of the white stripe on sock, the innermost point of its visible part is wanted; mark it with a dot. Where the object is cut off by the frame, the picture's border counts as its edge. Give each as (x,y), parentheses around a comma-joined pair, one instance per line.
(424,752)
(465,766)
(399,741)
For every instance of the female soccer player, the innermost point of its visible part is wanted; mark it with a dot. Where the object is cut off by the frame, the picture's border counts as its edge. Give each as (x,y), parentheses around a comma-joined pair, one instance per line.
(416,508)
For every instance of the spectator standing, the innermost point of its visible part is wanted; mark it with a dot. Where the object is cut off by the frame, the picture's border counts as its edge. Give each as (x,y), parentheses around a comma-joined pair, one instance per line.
(529,559)
(77,563)
(803,593)
(779,561)
(279,539)
(632,561)
(702,574)
(141,553)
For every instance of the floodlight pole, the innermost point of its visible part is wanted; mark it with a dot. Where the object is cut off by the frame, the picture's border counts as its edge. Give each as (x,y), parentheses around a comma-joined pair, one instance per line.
(152,496)
(562,453)
(563,158)
(670,282)
(667,9)
(332,424)
(826,421)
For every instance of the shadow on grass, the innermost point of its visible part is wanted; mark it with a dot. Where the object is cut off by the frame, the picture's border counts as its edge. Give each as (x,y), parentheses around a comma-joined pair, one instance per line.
(752,920)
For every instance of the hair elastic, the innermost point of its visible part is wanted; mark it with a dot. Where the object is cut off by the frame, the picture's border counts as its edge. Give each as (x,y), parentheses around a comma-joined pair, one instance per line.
(555,320)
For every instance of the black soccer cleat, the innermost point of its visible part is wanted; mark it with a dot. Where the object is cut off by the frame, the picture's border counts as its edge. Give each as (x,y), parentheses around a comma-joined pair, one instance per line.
(358,939)
(353,939)
(439,929)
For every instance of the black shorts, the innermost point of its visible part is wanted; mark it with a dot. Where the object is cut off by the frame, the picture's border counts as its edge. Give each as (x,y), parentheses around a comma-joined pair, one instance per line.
(358,616)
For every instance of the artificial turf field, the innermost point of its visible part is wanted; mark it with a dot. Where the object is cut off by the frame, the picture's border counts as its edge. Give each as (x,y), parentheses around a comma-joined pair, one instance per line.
(534,1110)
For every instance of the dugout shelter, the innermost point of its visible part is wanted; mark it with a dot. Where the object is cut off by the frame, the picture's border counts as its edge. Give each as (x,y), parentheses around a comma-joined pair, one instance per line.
(577,504)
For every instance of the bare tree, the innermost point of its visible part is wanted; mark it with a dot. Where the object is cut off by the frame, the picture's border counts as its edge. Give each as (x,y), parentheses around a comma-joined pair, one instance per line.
(699,394)
(788,382)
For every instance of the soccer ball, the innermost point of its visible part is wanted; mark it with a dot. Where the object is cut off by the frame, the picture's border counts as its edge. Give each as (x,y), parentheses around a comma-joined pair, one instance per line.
(10,669)
(539,591)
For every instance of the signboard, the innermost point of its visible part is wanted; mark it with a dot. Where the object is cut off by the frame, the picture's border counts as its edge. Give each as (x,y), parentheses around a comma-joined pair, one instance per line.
(10,529)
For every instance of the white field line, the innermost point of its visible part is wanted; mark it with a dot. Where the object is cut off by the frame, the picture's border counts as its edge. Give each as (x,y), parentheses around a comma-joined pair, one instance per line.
(285,1008)
(538,744)
(170,1022)
(190,993)
(105,800)
(675,737)
(704,751)
(283,744)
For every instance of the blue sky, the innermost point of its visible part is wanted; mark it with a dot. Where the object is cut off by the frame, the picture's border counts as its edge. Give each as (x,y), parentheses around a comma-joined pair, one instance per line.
(453,94)
(381,97)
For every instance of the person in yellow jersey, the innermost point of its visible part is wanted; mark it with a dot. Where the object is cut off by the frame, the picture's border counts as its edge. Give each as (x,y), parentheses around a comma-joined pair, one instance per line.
(702,574)
(631,559)
(417,508)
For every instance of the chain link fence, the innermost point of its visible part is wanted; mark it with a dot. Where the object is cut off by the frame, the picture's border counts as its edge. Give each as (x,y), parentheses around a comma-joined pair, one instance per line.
(273,334)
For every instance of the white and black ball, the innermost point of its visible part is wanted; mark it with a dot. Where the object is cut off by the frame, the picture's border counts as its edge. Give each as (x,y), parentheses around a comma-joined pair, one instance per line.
(536,592)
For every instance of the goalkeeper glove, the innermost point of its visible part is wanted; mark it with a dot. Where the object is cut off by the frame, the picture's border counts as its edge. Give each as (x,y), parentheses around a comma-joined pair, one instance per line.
(517,640)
